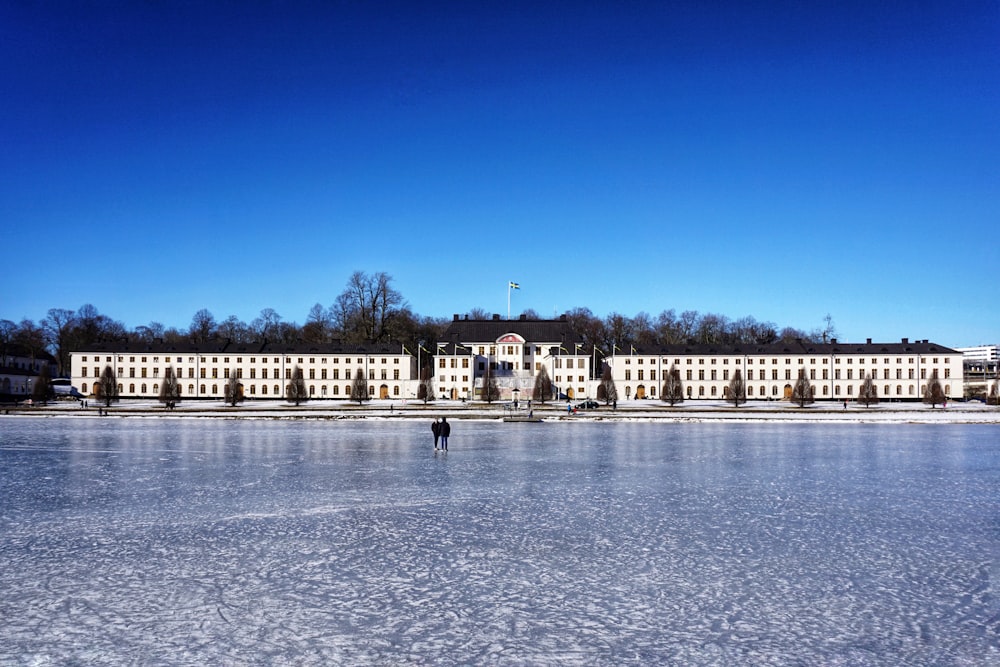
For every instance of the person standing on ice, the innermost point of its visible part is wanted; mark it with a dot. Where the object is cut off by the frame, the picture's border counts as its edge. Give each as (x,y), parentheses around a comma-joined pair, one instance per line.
(445,432)
(436,430)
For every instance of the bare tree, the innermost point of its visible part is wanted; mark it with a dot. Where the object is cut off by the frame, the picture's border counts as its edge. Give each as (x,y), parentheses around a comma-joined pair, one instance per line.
(364,310)
(618,331)
(359,387)
(107,387)
(296,392)
(202,325)
(802,392)
(688,324)
(58,326)
(542,390)
(425,390)
(170,390)
(737,389)
(673,390)
(42,390)
(933,393)
(318,325)
(7,331)
(868,393)
(234,329)
(233,390)
(266,326)
(606,389)
(490,392)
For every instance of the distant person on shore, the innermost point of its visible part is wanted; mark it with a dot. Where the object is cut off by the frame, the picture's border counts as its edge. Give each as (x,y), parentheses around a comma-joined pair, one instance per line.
(445,432)
(436,430)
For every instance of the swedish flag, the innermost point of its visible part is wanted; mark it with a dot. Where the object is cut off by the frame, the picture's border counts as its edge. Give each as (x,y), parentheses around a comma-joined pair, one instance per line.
(514,285)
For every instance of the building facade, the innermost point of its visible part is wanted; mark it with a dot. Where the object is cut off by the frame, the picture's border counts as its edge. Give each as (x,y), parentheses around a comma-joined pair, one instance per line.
(512,353)
(19,369)
(262,370)
(836,371)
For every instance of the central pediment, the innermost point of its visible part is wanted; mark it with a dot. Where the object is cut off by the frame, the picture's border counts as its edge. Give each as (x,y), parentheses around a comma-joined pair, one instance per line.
(510,338)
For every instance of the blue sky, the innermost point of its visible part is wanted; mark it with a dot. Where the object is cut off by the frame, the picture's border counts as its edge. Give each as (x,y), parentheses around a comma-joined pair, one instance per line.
(785,160)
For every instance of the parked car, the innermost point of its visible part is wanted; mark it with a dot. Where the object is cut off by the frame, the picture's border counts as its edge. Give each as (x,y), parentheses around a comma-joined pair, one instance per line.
(588,405)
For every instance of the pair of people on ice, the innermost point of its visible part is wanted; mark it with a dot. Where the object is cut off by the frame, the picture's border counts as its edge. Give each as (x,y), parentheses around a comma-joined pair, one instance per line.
(441,430)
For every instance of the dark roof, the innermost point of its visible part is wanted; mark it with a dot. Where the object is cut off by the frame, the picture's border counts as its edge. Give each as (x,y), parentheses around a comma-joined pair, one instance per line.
(533,331)
(224,346)
(25,352)
(905,346)
(127,346)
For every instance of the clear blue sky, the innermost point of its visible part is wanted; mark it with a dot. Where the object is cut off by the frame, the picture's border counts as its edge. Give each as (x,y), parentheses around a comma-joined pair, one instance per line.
(784,160)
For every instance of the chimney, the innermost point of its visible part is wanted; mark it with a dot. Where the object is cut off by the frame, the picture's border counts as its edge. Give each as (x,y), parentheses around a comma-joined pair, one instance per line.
(906,341)
(456,318)
(833,341)
(869,341)
(523,317)
(495,317)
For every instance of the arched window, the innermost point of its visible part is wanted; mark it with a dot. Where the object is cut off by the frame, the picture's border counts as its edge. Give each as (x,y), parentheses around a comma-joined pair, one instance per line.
(774,390)
(336,390)
(215,390)
(713,390)
(763,392)
(277,390)
(202,389)
(253,389)
(836,390)
(83,388)
(701,391)
(156,389)
(312,390)
(899,390)
(826,390)
(144,388)
(263,389)
(131,388)
(395,390)
(749,390)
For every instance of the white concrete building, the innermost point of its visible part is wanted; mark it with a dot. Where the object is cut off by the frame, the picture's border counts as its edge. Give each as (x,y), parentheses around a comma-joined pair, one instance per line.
(513,352)
(263,370)
(19,368)
(835,370)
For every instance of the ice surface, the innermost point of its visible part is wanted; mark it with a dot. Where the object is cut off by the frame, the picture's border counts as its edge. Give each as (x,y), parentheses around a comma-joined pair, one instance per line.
(351,542)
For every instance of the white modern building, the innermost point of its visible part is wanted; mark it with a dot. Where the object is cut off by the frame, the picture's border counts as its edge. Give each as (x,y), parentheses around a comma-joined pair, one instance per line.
(981,372)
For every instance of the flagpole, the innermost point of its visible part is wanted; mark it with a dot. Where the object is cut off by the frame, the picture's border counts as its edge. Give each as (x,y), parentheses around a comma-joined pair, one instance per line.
(508,300)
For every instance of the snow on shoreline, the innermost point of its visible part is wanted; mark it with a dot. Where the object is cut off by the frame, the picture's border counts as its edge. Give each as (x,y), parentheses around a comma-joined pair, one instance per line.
(691,411)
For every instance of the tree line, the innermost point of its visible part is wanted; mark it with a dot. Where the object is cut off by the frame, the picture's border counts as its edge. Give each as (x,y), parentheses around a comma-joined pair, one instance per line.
(371,310)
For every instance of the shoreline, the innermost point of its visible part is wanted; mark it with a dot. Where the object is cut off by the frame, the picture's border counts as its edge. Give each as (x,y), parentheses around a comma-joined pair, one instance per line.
(691,411)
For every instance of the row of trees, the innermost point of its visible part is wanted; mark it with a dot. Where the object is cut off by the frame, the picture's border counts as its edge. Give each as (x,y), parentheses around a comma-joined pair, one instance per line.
(371,310)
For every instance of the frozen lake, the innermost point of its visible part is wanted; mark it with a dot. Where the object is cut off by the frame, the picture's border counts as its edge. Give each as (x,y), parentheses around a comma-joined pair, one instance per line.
(185,541)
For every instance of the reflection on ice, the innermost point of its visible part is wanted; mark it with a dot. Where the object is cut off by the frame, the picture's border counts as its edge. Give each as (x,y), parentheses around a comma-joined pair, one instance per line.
(631,543)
